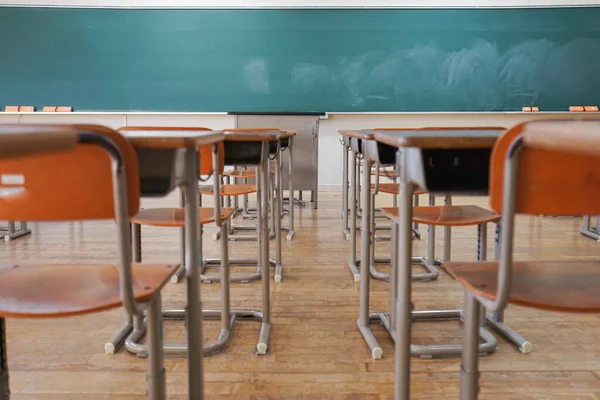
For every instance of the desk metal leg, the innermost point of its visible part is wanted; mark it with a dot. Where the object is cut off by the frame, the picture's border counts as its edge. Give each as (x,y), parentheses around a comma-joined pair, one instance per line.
(345,193)
(278,203)
(263,241)
(290,230)
(365,263)
(352,263)
(404,304)
(157,383)
(469,374)
(193,244)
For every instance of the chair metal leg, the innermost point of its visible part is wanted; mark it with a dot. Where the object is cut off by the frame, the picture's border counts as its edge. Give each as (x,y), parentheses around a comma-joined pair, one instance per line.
(416,231)
(178,276)
(157,385)
(278,204)
(136,242)
(588,230)
(118,340)
(496,320)
(447,232)
(13,233)
(469,373)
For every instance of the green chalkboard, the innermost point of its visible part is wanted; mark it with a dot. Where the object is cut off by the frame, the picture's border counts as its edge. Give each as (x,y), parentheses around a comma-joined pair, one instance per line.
(300,60)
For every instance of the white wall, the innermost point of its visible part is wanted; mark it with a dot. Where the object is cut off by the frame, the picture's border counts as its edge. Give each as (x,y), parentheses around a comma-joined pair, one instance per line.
(299,3)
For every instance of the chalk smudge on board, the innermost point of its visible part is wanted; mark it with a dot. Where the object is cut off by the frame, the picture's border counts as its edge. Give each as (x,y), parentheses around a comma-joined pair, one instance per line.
(256,77)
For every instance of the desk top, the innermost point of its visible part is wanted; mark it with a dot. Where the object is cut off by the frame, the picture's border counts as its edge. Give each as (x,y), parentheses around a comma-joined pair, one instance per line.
(286,133)
(240,135)
(171,139)
(364,134)
(459,138)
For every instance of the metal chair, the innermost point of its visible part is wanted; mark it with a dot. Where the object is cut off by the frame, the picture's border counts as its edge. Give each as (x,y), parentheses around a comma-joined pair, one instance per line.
(538,167)
(93,174)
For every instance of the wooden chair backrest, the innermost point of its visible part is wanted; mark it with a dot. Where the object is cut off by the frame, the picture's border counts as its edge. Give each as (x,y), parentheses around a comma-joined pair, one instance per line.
(549,181)
(206,159)
(70,185)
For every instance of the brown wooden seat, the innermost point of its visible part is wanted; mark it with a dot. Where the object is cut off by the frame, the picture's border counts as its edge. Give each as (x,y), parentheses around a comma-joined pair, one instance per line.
(549,285)
(393,188)
(229,190)
(176,216)
(61,290)
(446,215)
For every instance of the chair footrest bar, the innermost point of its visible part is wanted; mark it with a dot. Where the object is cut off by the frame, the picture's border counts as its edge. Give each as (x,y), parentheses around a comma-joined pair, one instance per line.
(239,278)
(487,346)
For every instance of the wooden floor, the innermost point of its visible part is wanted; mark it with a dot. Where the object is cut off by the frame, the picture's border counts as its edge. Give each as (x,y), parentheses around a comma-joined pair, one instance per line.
(316,351)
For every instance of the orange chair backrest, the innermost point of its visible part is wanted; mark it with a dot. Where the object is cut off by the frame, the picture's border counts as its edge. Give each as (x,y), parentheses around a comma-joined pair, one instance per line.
(72,185)
(549,182)
(206,159)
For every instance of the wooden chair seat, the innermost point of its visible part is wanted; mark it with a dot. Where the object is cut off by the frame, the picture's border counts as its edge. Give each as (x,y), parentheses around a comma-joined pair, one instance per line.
(393,188)
(550,285)
(60,290)
(446,215)
(229,190)
(176,216)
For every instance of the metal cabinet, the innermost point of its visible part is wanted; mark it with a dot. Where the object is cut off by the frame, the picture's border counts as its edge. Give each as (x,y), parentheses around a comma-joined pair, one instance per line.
(306,146)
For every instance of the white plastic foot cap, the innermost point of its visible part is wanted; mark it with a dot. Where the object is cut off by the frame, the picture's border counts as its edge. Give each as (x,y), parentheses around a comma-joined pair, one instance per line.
(215,237)
(109,348)
(277,278)
(356,278)
(526,348)
(377,353)
(261,348)
(174,279)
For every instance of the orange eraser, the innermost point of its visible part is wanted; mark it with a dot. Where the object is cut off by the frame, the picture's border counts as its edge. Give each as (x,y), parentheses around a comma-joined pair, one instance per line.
(576,109)
(11,108)
(49,109)
(535,109)
(64,109)
(26,109)
(526,109)
(591,108)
